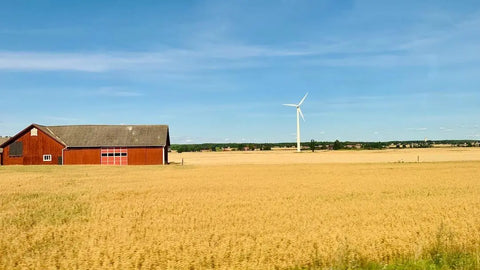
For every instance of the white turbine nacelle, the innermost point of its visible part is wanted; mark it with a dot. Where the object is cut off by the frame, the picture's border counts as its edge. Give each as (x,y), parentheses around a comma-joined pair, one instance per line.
(299,113)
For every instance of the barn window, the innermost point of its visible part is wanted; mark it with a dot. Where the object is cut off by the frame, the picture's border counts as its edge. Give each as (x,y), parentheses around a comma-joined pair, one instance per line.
(16,149)
(33,132)
(47,157)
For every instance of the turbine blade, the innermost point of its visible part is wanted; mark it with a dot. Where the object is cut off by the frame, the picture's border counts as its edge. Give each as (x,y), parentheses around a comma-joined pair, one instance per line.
(291,105)
(303,99)
(301,114)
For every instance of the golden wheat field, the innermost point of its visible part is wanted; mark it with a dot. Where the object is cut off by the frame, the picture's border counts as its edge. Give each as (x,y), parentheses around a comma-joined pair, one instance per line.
(348,156)
(236,216)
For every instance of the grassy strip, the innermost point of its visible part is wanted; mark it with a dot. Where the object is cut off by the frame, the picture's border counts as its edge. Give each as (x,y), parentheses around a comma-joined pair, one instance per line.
(433,261)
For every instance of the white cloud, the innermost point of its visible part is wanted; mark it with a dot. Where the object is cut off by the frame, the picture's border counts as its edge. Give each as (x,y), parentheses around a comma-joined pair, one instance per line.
(469,126)
(53,61)
(418,129)
(202,57)
(117,92)
(451,45)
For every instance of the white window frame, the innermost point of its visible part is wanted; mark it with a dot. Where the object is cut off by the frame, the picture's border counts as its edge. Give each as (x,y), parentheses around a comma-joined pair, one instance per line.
(34,132)
(47,157)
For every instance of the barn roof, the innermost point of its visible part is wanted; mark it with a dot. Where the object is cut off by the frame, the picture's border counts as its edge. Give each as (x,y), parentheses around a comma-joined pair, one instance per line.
(2,140)
(107,135)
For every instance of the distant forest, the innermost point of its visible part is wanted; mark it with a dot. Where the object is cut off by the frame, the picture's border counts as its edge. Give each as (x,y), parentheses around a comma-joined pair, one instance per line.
(314,145)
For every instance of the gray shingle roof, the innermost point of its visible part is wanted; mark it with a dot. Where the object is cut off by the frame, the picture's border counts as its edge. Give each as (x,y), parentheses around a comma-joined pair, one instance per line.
(109,135)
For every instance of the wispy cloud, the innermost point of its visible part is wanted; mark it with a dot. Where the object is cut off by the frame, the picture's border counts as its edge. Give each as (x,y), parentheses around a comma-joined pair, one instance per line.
(192,140)
(202,57)
(107,91)
(417,50)
(117,92)
(418,129)
(446,129)
(87,62)
(431,49)
(469,126)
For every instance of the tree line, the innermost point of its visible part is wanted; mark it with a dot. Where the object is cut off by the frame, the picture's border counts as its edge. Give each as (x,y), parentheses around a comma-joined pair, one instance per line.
(317,145)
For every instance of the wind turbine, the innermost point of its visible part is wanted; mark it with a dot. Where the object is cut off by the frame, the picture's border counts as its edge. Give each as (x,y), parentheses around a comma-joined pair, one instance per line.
(299,113)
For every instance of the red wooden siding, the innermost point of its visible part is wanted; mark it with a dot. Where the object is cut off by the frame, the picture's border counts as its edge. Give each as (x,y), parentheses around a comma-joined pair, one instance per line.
(34,147)
(135,156)
(145,156)
(76,156)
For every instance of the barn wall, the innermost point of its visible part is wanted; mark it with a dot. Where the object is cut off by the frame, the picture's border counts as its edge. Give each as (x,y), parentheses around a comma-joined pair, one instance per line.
(34,147)
(72,156)
(145,156)
(136,156)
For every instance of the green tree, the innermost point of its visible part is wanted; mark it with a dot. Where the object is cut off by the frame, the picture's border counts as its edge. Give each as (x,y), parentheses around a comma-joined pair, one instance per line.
(312,145)
(266,147)
(337,145)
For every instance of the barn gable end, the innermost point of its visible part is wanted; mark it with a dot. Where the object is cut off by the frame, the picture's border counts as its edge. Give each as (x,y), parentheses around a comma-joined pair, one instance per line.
(31,146)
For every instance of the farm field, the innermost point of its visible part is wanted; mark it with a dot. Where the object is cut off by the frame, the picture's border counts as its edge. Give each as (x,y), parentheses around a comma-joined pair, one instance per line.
(346,156)
(240,216)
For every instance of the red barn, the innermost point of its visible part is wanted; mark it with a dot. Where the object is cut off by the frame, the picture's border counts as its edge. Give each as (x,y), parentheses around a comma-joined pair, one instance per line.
(88,144)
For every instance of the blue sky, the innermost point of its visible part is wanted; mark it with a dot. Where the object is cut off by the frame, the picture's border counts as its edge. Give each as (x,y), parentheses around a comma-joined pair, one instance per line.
(218,71)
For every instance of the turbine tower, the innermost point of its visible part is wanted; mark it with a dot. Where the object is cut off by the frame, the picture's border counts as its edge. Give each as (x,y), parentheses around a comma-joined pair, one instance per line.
(299,113)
